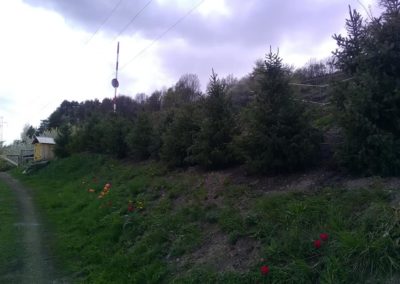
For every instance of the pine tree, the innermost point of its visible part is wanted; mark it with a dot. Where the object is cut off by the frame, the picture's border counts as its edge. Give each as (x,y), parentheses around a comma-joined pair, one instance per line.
(61,148)
(212,147)
(139,139)
(350,47)
(113,130)
(368,105)
(178,136)
(277,136)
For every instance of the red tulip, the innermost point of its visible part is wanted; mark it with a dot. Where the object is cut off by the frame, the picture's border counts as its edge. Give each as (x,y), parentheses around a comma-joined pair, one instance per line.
(317,244)
(264,269)
(324,237)
(131,208)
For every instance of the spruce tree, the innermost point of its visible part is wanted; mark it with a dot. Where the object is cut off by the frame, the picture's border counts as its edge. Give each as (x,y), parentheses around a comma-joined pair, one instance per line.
(61,149)
(178,136)
(213,145)
(368,104)
(139,139)
(276,135)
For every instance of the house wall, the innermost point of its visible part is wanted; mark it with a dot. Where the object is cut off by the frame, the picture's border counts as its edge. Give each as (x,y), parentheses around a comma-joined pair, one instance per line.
(48,152)
(43,152)
(37,153)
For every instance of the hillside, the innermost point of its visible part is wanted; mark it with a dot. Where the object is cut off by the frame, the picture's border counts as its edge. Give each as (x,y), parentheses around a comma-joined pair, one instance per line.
(117,222)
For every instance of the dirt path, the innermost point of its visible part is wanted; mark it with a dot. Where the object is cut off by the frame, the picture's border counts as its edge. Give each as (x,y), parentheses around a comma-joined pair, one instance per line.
(37,266)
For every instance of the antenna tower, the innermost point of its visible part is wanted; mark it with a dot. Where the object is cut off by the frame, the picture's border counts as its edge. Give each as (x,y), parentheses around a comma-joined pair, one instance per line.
(114,81)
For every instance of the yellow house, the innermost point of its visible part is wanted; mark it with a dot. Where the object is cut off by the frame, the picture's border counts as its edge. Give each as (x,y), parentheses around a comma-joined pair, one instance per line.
(43,148)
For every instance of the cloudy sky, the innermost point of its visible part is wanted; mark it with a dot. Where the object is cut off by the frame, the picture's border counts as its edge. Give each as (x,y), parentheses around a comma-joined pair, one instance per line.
(52,50)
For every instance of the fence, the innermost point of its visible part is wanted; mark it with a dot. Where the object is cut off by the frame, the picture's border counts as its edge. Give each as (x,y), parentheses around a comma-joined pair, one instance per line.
(22,158)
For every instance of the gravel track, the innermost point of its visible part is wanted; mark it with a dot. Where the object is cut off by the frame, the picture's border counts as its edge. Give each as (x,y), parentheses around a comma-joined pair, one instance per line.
(37,265)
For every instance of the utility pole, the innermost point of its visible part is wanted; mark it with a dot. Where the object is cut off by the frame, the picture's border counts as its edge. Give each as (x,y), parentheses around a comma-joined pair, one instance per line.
(115,82)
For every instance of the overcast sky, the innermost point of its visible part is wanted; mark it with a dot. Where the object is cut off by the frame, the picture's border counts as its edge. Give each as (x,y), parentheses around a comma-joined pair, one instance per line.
(50,50)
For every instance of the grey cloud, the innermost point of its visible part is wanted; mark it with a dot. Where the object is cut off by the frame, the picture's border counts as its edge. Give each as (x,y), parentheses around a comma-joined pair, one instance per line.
(90,14)
(251,22)
(224,60)
(229,44)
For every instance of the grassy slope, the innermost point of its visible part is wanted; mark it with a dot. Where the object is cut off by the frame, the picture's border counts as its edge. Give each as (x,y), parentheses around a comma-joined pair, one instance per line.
(201,228)
(10,254)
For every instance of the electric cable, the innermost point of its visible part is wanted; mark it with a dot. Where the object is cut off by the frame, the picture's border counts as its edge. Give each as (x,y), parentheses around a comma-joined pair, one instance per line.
(133,19)
(163,34)
(105,21)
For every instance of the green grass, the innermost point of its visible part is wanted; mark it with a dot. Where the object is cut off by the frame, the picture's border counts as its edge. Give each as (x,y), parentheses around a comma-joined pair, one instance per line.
(10,253)
(99,241)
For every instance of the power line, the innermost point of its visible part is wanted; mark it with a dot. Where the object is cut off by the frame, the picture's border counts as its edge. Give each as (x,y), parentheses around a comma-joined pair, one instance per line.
(321,77)
(164,33)
(309,85)
(317,86)
(345,80)
(367,11)
(104,21)
(312,102)
(320,86)
(133,19)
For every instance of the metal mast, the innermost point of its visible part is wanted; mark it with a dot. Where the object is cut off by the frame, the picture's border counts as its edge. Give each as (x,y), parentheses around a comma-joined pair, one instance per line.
(114,81)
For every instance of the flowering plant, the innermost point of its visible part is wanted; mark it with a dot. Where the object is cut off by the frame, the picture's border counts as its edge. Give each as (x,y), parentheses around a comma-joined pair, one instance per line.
(132,206)
(105,190)
(317,244)
(264,269)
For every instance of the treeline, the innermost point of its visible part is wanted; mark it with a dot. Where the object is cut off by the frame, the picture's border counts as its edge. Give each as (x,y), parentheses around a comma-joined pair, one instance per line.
(263,126)
(260,120)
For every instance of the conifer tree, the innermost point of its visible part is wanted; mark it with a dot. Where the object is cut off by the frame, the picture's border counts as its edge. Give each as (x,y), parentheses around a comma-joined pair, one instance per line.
(139,139)
(61,149)
(178,136)
(212,147)
(368,104)
(276,135)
